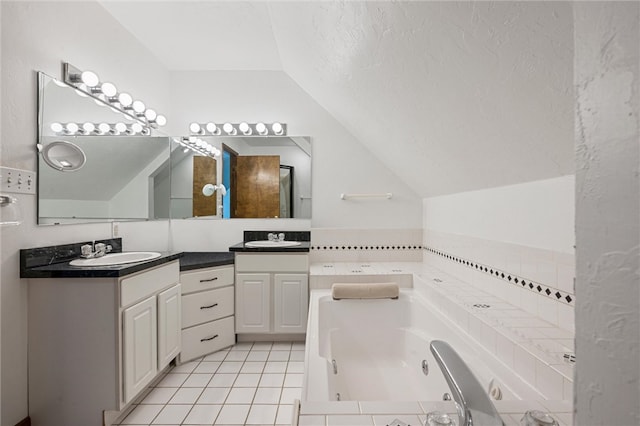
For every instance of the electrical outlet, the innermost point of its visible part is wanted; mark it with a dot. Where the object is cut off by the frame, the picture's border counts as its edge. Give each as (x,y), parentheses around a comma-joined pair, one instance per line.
(17,181)
(115,229)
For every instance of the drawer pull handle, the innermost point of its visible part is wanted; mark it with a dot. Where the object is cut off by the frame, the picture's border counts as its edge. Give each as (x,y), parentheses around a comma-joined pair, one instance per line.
(209,307)
(208,338)
(209,280)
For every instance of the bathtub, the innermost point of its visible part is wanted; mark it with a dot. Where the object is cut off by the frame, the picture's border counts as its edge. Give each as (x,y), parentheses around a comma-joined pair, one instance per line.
(373,350)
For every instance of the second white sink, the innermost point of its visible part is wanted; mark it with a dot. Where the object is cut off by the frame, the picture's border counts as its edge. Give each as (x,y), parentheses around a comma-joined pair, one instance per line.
(117,258)
(265,243)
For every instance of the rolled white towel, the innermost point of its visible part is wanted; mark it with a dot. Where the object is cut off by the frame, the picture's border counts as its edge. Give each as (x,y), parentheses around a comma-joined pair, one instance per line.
(364,291)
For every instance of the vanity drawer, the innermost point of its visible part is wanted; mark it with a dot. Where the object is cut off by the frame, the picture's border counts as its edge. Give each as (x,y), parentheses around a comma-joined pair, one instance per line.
(206,279)
(149,281)
(207,306)
(206,338)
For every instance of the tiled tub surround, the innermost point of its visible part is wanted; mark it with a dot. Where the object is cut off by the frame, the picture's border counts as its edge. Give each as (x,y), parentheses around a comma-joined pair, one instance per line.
(366,245)
(548,276)
(532,347)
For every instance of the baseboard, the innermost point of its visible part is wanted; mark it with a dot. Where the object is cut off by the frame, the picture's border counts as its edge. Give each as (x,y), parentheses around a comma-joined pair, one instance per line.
(24,422)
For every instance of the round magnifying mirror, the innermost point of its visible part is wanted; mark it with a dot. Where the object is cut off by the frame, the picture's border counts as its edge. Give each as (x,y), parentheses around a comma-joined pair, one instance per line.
(64,156)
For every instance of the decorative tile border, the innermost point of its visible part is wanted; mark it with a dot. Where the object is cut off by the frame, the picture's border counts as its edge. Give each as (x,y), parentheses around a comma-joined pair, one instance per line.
(548,291)
(366,247)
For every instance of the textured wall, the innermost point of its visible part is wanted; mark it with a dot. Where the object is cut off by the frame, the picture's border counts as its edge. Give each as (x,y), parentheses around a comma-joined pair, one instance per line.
(607,78)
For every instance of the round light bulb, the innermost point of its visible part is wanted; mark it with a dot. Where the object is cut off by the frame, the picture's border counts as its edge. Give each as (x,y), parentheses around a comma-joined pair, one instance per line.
(72,128)
(88,128)
(89,78)
(192,139)
(125,99)
(109,89)
(56,127)
(261,128)
(138,106)
(229,129)
(277,128)
(150,115)
(103,128)
(136,128)
(121,127)
(161,120)
(195,128)
(199,143)
(244,128)
(212,128)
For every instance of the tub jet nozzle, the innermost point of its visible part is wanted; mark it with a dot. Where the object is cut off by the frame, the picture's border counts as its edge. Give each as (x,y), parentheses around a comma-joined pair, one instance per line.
(425,367)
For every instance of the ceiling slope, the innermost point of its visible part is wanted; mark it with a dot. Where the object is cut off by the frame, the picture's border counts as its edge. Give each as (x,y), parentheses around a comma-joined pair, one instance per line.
(452,96)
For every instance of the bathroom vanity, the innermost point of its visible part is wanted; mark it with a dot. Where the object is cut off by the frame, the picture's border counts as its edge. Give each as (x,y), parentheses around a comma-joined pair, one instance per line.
(99,335)
(272,287)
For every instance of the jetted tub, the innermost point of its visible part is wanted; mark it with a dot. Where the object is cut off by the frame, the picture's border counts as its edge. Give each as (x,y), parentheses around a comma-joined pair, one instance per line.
(373,350)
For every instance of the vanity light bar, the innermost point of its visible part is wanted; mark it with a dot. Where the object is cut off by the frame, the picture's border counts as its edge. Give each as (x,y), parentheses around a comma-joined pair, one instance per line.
(198,146)
(238,129)
(99,129)
(87,83)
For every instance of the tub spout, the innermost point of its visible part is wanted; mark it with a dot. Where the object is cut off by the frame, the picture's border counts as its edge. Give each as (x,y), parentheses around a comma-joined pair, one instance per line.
(474,406)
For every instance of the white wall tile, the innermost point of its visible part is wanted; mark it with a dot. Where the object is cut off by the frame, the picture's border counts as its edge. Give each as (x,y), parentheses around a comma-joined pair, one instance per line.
(549,381)
(345,420)
(505,349)
(525,365)
(548,309)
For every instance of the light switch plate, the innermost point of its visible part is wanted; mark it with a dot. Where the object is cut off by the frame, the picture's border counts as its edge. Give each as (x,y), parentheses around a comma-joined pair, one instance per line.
(17,181)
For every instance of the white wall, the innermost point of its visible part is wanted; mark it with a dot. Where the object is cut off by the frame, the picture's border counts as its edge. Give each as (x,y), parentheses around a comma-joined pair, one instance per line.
(340,162)
(534,214)
(39,36)
(607,79)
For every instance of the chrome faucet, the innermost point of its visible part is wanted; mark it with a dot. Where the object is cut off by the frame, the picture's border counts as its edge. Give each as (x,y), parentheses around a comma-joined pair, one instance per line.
(87,250)
(472,401)
(276,237)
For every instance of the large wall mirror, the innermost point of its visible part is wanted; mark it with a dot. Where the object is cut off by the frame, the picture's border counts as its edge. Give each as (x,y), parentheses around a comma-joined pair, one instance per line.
(92,177)
(254,177)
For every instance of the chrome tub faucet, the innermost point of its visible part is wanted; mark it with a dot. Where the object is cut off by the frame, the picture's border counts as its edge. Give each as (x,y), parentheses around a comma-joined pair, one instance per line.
(472,401)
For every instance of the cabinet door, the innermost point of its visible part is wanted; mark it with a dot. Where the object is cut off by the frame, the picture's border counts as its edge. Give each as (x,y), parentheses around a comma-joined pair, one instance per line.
(140,346)
(253,297)
(291,300)
(169,325)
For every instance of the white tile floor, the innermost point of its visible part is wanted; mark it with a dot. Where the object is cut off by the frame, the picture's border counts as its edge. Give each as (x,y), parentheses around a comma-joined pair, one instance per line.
(248,384)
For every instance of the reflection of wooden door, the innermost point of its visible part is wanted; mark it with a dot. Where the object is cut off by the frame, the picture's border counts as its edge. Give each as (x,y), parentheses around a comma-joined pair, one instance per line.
(204,172)
(257,186)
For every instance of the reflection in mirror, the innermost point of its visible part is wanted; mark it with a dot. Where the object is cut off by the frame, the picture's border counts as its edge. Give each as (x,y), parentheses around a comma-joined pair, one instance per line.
(125,177)
(256,177)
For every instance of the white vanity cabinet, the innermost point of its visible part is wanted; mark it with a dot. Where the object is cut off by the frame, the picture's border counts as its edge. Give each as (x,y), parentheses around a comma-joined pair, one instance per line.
(207,311)
(272,293)
(95,343)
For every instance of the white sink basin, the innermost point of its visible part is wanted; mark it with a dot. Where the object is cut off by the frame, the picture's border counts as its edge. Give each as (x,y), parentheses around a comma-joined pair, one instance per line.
(117,258)
(265,243)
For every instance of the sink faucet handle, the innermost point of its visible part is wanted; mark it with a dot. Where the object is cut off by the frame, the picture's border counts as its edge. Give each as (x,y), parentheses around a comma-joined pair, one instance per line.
(86,250)
(281,236)
(271,236)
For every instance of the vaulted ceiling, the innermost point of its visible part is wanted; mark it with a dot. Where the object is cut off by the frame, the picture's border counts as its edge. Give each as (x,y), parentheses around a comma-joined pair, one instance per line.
(451,96)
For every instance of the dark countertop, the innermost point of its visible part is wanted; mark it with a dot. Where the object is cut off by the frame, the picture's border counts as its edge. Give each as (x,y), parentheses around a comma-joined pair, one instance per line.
(205,259)
(302,248)
(64,270)
(53,262)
